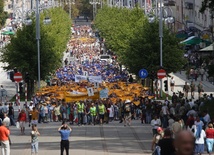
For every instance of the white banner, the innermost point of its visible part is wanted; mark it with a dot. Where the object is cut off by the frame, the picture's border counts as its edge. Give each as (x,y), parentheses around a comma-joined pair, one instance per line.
(79,78)
(90,91)
(93,79)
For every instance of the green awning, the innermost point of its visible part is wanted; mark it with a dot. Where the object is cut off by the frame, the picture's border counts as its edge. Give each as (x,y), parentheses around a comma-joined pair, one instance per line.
(191,41)
(8,33)
(181,35)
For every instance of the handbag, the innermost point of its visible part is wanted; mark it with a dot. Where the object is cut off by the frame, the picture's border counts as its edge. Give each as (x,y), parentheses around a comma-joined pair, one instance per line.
(17,125)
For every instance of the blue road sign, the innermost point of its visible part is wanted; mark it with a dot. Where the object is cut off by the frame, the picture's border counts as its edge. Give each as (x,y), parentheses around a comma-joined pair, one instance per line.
(143,73)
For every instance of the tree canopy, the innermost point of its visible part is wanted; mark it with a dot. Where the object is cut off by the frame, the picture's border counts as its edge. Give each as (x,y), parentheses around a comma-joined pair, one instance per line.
(3,14)
(136,41)
(21,52)
(207,4)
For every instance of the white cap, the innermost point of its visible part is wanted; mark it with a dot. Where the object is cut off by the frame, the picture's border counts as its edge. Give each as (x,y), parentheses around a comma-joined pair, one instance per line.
(127,101)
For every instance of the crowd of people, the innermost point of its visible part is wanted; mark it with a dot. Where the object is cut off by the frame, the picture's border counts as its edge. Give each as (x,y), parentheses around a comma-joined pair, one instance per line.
(86,53)
(169,119)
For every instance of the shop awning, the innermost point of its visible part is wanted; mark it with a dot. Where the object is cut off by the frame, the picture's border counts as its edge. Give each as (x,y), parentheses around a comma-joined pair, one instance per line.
(191,41)
(208,48)
(8,33)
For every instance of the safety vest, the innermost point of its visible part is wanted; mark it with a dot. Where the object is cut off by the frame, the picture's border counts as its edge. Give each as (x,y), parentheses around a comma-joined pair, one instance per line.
(93,111)
(80,107)
(101,109)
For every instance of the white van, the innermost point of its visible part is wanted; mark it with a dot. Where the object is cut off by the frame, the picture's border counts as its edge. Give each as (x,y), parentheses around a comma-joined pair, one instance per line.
(106,58)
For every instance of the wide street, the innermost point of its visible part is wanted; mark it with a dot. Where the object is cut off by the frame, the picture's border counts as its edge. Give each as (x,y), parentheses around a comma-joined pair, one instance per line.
(109,139)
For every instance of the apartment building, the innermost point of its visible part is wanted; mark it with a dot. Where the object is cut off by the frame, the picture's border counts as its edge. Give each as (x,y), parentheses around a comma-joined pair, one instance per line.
(188,13)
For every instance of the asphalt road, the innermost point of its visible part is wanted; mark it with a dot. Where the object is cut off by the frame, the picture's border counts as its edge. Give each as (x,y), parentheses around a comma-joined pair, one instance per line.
(109,139)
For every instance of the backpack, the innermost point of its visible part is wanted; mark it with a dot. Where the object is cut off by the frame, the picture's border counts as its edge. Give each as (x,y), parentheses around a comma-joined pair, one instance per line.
(127,108)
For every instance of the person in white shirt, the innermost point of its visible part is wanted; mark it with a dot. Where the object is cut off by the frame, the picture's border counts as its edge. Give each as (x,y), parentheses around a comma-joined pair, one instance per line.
(155,123)
(199,140)
(6,120)
(172,84)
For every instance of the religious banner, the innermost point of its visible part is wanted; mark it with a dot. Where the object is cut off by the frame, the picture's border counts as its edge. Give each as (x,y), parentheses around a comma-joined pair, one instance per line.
(93,79)
(104,93)
(79,78)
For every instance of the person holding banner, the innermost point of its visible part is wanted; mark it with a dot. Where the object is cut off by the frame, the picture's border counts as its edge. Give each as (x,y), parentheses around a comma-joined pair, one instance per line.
(81,111)
(102,110)
(93,113)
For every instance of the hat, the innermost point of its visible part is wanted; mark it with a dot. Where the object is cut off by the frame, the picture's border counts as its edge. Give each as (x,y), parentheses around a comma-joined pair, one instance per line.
(159,129)
(127,101)
(31,101)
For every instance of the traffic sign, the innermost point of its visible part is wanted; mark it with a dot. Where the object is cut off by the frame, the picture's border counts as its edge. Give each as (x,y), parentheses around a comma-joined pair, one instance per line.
(161,74)
(143,73)
(17,77)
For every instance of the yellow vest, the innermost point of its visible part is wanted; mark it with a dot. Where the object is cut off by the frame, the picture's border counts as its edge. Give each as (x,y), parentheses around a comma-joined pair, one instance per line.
(93,111)
(80,107)
(101,109)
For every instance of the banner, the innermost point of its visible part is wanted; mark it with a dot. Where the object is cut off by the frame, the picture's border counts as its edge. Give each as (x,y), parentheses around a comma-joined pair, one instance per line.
(93,79)
(104,93)
(96,85)
(90,91)
(79,78)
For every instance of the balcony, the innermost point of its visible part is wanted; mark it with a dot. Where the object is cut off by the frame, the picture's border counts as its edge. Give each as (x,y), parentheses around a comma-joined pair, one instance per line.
(169,2)
(188,5)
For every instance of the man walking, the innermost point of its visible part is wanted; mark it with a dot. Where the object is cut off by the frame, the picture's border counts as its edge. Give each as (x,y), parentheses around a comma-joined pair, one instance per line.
(4,139)
(192,89)
(11,114)
(64,131)
(186,90)
(200,89)
(172,84)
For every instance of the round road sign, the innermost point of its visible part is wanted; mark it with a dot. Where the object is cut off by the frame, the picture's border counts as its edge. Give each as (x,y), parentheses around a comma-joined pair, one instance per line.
(17,77)
(161,74)
(143,73)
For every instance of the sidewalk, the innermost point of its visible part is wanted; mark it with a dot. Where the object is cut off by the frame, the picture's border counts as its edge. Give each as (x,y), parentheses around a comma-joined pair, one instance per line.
(180,80)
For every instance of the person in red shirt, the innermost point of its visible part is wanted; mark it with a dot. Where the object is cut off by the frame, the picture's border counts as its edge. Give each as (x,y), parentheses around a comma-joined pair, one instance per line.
(210,138)
(22,118)
(4,139)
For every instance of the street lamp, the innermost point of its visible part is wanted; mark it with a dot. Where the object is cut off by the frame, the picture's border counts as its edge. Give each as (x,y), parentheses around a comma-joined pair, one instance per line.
(94,3)
(46,21)
(168,19)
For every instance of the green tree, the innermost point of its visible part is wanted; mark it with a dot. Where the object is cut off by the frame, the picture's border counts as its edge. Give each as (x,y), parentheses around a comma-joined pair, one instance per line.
(207,4)
(136,42)
(74,10)
(22,51)
(3,14)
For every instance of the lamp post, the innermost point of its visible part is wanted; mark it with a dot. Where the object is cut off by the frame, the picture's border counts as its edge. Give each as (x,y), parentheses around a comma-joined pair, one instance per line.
(38,39)
(28,22)
(94,3)
(168,19)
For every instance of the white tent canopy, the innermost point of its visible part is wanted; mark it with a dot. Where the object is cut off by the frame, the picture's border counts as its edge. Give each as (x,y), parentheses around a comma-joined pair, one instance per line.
(208,48)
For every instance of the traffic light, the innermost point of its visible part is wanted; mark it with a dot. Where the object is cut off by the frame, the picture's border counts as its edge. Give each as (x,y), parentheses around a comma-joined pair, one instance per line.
(166,85)
(11,76)
(27,77)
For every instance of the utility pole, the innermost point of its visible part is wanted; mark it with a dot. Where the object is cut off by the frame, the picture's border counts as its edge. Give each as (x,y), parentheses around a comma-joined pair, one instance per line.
(161,42)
